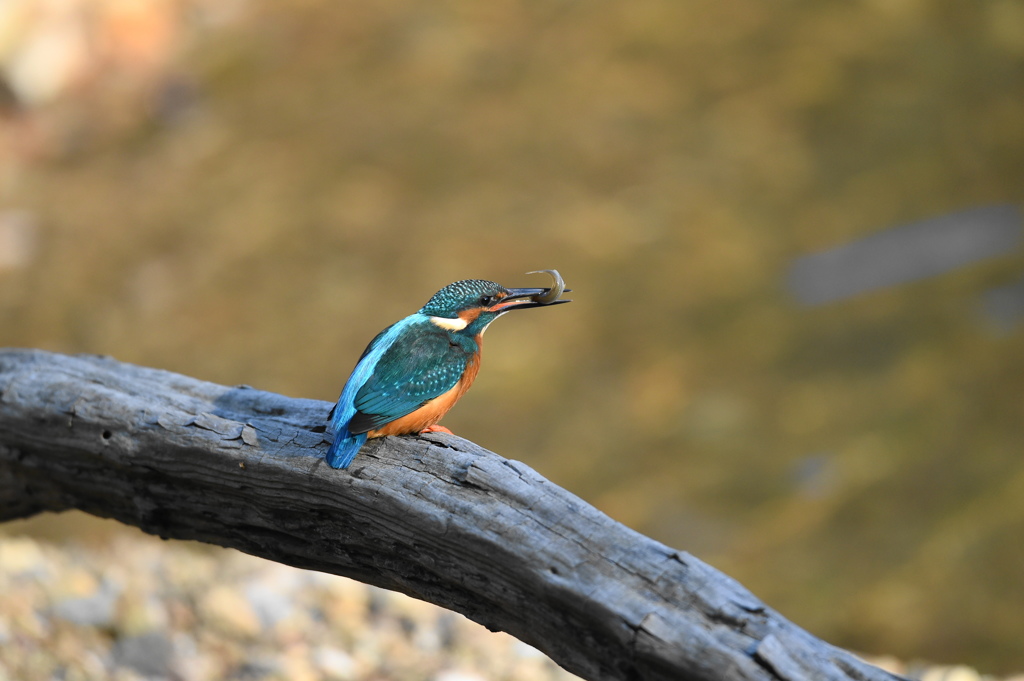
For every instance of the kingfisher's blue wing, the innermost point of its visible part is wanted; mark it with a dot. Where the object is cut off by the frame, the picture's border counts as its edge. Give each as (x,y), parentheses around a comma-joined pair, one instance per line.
(418,366)
(345,445)
(379,340)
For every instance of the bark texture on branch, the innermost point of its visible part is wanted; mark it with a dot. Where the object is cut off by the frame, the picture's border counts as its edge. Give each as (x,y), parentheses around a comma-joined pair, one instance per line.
(435,517)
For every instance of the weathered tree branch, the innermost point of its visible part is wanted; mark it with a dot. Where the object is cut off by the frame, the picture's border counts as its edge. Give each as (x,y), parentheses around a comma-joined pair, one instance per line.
(437,518)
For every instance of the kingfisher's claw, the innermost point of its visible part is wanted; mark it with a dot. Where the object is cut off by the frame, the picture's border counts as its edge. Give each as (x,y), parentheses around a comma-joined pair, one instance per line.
(436,429)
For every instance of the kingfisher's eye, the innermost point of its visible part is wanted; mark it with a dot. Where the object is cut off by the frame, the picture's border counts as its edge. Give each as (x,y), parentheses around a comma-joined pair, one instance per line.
(487,301)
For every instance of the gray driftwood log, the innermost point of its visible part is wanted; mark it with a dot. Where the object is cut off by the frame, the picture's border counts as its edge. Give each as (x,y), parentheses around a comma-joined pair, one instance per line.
(437,518)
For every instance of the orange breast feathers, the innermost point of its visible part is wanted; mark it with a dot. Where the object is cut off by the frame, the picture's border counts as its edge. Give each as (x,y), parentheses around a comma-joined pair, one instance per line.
(434,410)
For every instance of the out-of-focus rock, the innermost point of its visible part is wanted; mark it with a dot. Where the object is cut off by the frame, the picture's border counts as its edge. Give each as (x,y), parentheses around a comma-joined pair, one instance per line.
(148,654)
(957,673)
(230,612)
(20,556)
(335,664)
(96,610)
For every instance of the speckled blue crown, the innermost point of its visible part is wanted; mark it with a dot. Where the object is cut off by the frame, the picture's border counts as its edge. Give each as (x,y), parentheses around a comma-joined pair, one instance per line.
(460,295)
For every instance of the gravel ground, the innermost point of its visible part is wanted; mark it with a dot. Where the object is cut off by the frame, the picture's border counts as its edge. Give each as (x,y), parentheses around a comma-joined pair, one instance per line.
(138,608)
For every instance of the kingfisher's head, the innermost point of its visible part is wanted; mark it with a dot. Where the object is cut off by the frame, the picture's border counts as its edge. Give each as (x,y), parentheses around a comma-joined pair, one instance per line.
(469,305)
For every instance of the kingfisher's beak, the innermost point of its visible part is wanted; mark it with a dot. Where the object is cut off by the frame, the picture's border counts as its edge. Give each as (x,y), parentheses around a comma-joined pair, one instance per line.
(523,298)
(520,298)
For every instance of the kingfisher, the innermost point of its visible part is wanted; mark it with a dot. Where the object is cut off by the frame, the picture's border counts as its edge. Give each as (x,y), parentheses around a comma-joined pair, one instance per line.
(415,370)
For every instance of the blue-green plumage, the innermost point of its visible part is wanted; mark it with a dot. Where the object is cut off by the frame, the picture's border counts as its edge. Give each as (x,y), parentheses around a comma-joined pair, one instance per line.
(420,365)
(413,371)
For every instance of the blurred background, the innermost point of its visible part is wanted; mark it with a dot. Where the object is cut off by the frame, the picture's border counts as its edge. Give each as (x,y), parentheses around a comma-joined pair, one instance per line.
(792,231)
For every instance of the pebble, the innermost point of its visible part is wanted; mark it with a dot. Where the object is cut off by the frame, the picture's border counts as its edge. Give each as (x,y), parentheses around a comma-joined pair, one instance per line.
(20,557)
(270,605)
(957,673)
(139,613)
(148,654)
(455,675)
(335,664)
(96,610)
(228,611)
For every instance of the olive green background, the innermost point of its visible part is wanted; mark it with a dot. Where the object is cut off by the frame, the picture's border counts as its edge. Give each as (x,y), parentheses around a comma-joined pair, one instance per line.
(326,166)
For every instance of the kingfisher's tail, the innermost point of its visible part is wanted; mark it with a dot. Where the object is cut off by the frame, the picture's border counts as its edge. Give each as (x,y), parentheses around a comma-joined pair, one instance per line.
(344,448)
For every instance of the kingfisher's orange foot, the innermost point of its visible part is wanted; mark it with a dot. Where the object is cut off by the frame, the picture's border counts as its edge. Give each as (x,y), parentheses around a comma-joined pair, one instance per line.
(436,429)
